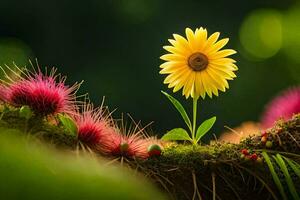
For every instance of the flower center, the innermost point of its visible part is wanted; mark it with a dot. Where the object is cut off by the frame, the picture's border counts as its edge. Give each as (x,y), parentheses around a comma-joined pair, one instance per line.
(198,61)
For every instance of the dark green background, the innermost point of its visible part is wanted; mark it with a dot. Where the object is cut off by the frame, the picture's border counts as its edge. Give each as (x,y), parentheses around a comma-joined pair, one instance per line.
(115,45)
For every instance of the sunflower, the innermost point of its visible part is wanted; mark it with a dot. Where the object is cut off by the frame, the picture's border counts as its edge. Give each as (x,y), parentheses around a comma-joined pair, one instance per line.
(197,64)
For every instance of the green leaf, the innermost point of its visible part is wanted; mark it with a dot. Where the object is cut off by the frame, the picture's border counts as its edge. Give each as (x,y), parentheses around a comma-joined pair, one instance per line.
(25,112)
(180,109)
(176,134)
(274,175)
(205,127)
(68,123)
(287,176)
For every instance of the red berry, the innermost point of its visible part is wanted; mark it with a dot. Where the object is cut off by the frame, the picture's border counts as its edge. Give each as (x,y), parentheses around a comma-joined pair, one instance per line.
(245,151)
(254,157)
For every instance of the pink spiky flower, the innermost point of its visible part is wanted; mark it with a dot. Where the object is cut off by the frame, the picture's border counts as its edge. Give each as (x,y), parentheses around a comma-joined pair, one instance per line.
(94,125)
(283,106)
(44,94)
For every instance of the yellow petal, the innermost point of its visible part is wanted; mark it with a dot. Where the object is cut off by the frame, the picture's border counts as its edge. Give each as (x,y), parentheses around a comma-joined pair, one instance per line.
(205,83)
(211,40)
(227,67)
(217,81)
(219,78)
(191,38)
(180,83)
(222,74)
(199,86)
(182,41)
(171,66)
(235,68)
(173,57)
(189,86)
(223,69)
(183,48)
(217,46)
(200,36)
(172,63)
(213,83)
(175,50)
(222,54)
(222,61)
(173,42)
(172,69)
(172,77)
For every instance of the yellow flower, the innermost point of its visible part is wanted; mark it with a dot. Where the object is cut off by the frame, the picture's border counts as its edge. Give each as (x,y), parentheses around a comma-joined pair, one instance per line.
(197,64)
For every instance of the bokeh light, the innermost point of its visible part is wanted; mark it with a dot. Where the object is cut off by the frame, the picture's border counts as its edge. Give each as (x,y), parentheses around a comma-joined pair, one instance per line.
(12,49)
(291,42)
(136,11)
(261,34)
(292,33)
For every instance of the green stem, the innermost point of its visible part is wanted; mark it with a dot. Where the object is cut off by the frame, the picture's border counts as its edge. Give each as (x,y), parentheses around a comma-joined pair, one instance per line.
(195,101)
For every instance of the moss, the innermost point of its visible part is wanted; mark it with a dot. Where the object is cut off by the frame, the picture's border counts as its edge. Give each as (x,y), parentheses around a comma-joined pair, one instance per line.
(38,127)
(183,167)
(189,171)
(285,136)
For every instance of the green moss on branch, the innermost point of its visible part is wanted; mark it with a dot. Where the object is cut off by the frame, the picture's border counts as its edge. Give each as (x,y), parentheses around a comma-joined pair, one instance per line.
(219,170)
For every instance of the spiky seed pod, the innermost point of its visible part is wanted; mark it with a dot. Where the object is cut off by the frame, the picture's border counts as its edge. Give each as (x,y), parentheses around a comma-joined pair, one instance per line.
(44,94)
(93,125)
(113,144)
(131,146)
(130,142)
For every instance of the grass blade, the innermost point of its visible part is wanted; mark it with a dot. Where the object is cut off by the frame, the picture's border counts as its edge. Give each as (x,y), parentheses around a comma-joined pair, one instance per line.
(294,166)
(287,176)
(274,175)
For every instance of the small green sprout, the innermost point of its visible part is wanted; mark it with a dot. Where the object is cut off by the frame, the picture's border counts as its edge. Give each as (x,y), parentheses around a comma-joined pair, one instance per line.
(181,134)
